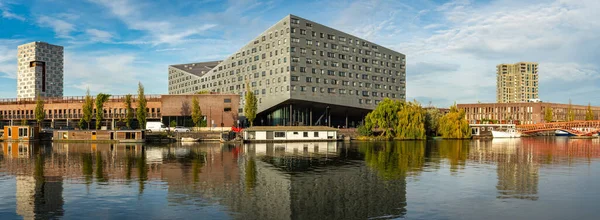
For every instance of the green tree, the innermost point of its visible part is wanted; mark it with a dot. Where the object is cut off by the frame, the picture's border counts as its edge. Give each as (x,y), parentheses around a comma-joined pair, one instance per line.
(40,114)
(128,111)
(251,107)
(570,112)
(196,112)
(88,108)
(548,117)
(203,92)
(384,117)
(454,125)
(411,122)
(101,98)
(173,124)
(589,115)
(141,110)
(432,121)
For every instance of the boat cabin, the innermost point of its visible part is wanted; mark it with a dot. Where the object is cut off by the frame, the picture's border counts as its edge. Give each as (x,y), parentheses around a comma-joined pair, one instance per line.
(289,133)
(21,133)
(100,135)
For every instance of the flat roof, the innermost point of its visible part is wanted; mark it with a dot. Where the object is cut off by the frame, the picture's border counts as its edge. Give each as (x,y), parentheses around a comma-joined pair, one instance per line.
(290,128)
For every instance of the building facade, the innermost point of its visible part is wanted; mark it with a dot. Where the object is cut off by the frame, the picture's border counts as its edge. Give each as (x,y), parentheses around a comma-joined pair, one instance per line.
(218,109)
(302,73)
(40,70)
(522,113)
(517,82)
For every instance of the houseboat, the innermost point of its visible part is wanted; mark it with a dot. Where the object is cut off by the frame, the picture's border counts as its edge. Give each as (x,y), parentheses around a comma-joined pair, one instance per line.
(289,134)
(121,136)
(21,133)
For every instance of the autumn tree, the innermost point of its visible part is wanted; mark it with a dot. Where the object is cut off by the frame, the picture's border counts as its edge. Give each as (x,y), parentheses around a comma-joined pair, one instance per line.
(128,110)
(432,121)
(101,98)
(250,107)
(411,122)
(570,112)
(589,114)
(454,125)
(548,117)
(196,112)
(88,109)
(385,117)
(40,114)
(141,110)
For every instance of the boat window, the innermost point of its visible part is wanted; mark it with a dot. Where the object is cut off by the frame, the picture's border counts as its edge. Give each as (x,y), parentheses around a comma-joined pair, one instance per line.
(279,134)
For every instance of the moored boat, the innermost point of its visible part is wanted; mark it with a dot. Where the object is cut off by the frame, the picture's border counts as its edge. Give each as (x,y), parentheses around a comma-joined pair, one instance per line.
(189,139)
(507,133)
(562,133)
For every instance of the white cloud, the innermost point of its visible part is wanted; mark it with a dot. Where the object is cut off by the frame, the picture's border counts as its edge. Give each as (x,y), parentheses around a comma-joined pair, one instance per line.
(8,58)
(98,35)
(62,28)
(9,15)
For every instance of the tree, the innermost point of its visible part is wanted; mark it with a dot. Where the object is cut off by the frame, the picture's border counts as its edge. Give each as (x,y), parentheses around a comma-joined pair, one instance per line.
(173,124)
(141,110)
(454,125)
(203,92)
(385,117)
(196,112)
(589,115)
(40,114)
(101,98)
(251,107)
(570,112)
(548,115)
(432,121)
(411,122)
(128,111)
(88,108)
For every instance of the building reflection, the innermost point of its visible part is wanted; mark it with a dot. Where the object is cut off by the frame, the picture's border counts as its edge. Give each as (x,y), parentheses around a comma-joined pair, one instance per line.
(518,160)
(38,194)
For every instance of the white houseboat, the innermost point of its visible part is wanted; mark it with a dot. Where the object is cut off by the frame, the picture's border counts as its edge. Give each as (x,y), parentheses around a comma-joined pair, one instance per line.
(289,133)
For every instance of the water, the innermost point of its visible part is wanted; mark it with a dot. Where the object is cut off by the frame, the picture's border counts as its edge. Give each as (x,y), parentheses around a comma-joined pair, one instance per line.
(529,178)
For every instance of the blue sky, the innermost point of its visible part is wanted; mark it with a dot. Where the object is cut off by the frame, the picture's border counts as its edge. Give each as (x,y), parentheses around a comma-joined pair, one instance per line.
(452,47)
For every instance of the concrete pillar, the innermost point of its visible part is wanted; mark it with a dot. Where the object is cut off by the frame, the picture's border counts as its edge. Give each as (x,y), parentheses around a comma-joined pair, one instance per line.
(52,123)
(291,115)
(346,119)
(310,117)
(112,124)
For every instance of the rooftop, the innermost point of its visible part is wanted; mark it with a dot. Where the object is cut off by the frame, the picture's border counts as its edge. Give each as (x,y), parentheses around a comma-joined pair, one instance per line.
(290,128)
(197,69)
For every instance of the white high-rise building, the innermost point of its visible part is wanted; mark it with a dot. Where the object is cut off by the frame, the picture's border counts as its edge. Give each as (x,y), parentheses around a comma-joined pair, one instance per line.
(40,70)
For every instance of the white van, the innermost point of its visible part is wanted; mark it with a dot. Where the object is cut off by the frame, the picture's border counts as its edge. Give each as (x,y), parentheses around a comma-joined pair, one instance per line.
(155,126)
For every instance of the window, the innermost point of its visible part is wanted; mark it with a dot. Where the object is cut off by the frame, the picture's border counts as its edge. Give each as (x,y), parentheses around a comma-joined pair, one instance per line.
(305,134)
(227,101)
(279,134)
(316,134)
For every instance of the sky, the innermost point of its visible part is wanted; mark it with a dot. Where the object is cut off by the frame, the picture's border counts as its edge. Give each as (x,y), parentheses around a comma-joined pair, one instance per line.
(452,47)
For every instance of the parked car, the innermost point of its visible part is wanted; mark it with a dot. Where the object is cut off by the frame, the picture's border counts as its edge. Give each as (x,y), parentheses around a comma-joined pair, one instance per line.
(181,129)
(47,130)
(155,126)
(125,128)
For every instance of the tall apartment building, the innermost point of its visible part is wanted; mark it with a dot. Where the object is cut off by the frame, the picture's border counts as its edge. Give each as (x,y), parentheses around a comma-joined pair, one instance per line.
(40,70)
(517,82)
(303,73)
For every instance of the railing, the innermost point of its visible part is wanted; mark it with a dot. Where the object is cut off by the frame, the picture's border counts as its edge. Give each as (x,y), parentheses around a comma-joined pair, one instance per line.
(154,115)
(75,99)
(566,126)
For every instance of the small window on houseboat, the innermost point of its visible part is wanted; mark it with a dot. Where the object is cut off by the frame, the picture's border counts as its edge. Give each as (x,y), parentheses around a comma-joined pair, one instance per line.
(279,134)
(305,134)
(316,134)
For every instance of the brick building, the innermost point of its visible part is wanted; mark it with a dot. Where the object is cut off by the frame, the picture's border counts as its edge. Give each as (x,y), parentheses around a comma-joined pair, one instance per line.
(522,113)
(67,111)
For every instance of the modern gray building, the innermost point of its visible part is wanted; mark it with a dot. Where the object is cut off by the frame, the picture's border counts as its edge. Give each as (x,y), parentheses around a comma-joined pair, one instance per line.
(40,70)
(303,73)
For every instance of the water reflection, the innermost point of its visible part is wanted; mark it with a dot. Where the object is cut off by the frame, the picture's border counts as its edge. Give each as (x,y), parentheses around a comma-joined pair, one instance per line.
(275,181)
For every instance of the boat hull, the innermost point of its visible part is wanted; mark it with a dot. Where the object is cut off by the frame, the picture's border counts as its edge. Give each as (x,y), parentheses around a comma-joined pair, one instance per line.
(562,133)
(503,134)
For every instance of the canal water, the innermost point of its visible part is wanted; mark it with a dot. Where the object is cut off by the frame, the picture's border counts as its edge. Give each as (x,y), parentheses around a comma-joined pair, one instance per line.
(528,178)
